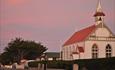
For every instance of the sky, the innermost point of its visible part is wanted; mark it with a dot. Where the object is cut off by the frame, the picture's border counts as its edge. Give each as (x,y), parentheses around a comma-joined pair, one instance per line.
(50,22)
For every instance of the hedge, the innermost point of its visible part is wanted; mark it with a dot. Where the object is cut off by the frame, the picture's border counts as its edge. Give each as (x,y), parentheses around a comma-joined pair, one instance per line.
(90,64)
(53,64)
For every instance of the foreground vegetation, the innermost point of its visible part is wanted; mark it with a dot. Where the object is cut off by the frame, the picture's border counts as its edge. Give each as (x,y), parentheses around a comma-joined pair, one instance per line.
(19,49)
(89,64)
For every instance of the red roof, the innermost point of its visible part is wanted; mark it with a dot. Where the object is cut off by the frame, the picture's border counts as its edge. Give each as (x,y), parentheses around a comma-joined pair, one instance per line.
(99,14)
(80,35)
(81,50)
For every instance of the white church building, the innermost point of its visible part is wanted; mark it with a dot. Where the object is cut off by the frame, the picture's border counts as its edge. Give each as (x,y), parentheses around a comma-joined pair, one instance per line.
(95,41)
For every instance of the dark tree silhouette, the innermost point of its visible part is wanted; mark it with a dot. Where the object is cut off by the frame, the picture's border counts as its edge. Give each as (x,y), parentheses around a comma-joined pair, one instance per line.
(22,49)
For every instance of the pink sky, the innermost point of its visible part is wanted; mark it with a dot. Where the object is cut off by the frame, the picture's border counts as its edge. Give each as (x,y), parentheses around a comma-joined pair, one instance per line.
(50,22)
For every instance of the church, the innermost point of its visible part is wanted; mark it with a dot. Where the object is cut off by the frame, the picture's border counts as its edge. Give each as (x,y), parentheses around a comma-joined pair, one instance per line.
(95,41)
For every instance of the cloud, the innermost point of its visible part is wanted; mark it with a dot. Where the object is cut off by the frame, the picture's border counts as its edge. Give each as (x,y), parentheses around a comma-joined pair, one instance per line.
(49,20)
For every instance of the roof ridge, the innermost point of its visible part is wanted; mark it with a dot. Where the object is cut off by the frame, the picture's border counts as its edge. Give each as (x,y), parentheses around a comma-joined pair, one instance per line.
(85,28)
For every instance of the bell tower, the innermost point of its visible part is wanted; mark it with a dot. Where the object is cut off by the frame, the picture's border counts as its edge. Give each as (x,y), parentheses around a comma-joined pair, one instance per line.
(99,15)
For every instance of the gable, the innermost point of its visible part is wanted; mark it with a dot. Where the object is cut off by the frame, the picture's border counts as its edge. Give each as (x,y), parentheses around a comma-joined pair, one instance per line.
(102,31)
(111,33)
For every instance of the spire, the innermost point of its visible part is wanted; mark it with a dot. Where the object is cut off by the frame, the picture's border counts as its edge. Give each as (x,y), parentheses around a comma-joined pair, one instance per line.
(99,15)
(99,9)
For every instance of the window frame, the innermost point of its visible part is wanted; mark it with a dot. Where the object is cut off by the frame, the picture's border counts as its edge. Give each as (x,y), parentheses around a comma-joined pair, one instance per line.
(95,51)
(108,51)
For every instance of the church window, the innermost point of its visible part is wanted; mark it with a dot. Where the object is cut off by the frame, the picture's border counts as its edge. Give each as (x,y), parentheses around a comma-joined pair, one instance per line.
(94,51)
(108,51)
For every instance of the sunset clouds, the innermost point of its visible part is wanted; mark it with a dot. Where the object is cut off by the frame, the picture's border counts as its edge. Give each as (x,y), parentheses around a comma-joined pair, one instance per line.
(49,21)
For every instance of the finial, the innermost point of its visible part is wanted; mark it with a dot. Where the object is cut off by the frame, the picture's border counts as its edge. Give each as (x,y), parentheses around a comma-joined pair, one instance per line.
(99,9)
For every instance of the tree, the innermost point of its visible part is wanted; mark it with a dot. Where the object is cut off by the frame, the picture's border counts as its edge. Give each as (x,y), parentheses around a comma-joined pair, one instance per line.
(19,49)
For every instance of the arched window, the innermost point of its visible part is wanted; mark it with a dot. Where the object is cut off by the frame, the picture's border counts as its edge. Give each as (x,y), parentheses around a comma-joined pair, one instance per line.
(108,51)
(94,51)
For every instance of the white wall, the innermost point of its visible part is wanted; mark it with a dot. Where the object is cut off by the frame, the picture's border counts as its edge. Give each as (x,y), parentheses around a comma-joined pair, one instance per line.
(101,46)
(69,49)
(102,32)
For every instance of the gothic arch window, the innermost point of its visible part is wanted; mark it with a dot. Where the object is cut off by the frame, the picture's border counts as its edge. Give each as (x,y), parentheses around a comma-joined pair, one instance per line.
(108,51)
(94,51)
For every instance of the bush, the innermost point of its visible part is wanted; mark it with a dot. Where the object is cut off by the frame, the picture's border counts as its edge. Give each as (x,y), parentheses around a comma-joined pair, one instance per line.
(35,63)
(53,64)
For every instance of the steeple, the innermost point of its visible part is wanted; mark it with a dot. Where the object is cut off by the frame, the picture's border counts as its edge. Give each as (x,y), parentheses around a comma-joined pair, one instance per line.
(99,9)
(99,15)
